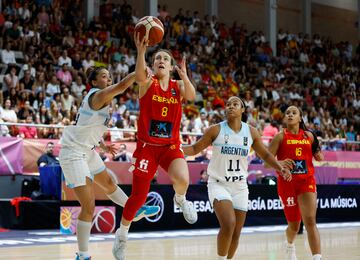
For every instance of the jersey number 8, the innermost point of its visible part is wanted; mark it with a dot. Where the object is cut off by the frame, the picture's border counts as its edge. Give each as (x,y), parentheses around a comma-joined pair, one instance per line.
(164,111)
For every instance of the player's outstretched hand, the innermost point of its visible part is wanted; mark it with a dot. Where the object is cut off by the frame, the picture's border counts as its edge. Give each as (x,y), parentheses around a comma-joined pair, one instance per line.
(141,44)
(111,149)
(181,68)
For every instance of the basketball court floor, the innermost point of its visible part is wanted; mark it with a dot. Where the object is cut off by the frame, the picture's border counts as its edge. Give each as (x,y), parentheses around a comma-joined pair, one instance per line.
(339,241)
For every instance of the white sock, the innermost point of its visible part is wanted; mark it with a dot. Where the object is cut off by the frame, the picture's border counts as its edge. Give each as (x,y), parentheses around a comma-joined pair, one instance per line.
(180,198)
(118,197)
(83,254)
(123,232)
(83,229)
(290,244)
(221,257)
(317,257)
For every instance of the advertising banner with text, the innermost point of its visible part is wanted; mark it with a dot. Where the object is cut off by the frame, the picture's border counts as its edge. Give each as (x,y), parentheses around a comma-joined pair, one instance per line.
(336,203)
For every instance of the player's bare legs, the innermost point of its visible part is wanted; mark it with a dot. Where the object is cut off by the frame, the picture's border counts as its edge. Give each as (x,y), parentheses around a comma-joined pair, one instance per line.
(240,221)
(179,175)
(307,204)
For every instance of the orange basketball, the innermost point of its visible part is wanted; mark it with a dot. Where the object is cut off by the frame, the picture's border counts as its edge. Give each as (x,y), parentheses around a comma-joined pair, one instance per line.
(150,27)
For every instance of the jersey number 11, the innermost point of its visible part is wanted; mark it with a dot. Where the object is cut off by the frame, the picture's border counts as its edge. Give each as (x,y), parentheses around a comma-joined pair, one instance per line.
(231,166)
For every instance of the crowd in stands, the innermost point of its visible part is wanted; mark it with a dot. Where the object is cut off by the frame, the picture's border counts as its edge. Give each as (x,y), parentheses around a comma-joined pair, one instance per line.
(46,47)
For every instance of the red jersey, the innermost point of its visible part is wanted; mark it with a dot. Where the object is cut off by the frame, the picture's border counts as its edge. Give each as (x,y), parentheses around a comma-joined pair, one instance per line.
(298,148)
(160,114)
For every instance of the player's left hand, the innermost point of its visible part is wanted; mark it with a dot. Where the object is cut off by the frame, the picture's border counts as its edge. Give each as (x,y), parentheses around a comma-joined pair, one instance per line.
(111,149)
(181,68)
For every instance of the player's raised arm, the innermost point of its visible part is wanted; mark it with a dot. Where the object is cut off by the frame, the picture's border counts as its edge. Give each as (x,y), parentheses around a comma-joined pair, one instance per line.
(206,140)
(140,67)
(104,96)
(187,89)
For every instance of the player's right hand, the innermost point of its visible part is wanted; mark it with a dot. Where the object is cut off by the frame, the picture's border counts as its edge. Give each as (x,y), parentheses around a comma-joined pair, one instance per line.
(287,164)
(141,44)
(286,174)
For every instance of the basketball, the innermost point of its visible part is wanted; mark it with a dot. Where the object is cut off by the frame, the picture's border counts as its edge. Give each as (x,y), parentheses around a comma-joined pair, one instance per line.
(150,27)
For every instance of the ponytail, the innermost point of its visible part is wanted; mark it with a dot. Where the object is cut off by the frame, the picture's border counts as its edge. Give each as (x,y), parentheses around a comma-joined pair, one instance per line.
(315,146)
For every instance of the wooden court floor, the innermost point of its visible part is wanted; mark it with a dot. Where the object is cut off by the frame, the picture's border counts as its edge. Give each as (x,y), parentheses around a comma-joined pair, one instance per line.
(337,244)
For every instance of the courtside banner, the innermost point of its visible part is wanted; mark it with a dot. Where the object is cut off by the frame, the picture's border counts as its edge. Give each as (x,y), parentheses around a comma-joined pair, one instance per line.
(11,155)
(336,203)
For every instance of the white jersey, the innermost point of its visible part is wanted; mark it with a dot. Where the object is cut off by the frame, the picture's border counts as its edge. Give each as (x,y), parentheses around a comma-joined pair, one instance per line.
(229,160)
(89,127)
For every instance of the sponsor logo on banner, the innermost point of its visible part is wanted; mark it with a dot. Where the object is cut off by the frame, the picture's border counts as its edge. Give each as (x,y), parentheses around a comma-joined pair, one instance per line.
(155,199)
(199,205)
(103,221)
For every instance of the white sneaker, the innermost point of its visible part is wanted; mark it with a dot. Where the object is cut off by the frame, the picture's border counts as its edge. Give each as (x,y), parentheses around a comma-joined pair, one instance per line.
(290,253)
(188,210)
(119,247)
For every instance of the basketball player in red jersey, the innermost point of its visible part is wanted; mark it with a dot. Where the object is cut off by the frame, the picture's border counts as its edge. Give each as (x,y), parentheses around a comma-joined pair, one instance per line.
(296,142)
(158,136)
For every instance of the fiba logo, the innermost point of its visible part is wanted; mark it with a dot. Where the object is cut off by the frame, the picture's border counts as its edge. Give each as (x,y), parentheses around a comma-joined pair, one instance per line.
(155,199)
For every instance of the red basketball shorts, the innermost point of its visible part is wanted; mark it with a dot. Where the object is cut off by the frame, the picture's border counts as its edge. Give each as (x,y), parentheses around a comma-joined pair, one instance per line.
(289,192)
(148,158)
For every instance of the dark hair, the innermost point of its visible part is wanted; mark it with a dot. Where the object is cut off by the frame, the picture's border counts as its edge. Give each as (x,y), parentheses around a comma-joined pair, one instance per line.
(241,101)
(315,146)
(168,52)
(91,74)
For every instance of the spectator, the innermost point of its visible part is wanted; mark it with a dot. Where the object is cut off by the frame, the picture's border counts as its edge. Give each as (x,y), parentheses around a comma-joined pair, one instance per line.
(7,114)
(11,80)
(7,55)
(201,123)
(48,158)
(67,100)
(132,105)
(27,82)
(64,75)
(53,86)
(65,59)
(123,155)
(270,131)
(25,112)
(88,62)
(28,132)
(122,68)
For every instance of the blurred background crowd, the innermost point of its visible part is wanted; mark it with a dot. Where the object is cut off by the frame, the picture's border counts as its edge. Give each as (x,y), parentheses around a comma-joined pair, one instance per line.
(46,47)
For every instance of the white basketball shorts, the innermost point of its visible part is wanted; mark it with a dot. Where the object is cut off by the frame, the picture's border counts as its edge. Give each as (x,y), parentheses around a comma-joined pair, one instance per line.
(233,191)
(78,163)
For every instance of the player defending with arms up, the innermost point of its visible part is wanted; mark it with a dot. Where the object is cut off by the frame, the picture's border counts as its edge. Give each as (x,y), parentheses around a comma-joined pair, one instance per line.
(227,170)
(296,142)
(158,136)
(81,164)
